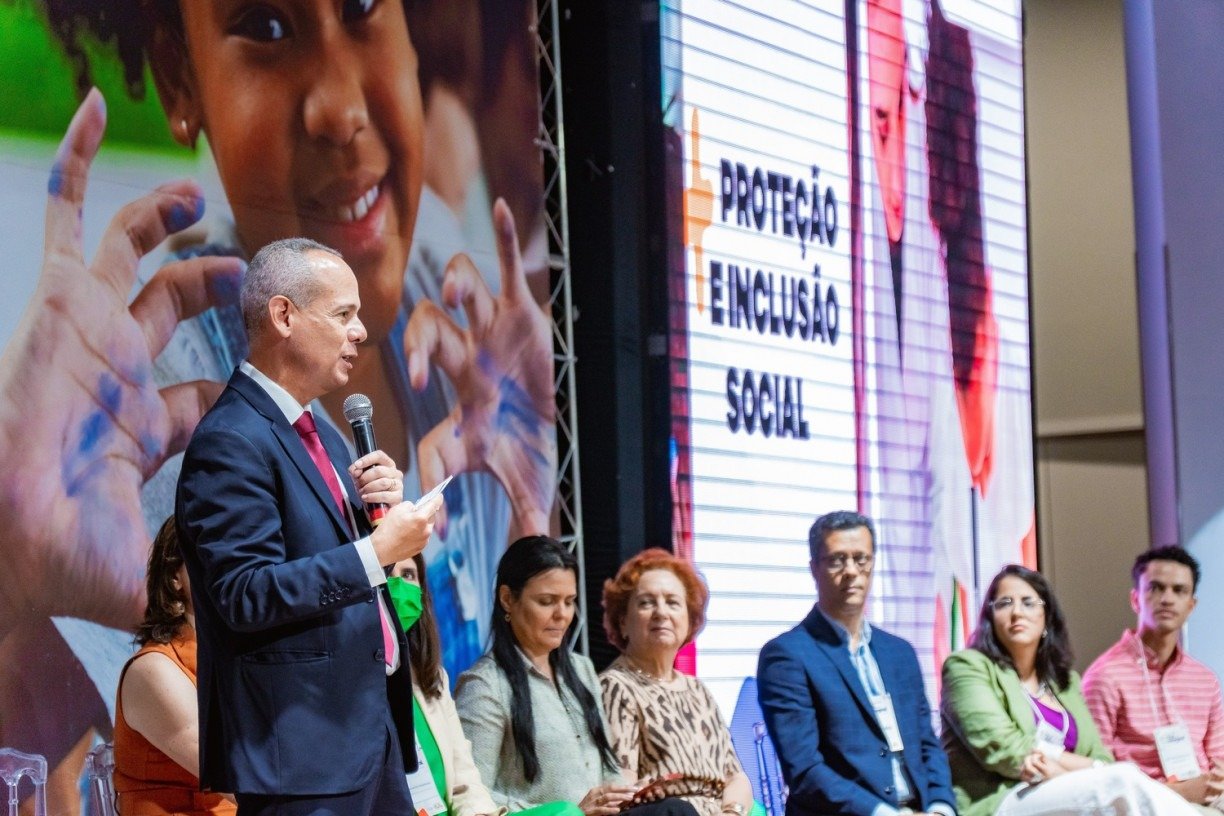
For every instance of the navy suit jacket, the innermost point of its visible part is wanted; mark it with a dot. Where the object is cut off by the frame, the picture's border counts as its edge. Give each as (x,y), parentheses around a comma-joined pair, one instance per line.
(293,690)
(834,756)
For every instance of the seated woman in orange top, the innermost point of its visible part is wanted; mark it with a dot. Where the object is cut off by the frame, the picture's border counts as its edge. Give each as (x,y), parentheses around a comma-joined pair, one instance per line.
(157,759)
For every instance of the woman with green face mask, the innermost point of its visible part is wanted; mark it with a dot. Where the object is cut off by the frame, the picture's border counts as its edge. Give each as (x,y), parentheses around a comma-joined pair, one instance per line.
(447,782)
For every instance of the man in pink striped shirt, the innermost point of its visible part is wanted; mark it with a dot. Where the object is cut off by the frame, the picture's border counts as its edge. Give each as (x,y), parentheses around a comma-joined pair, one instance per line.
(1154,704)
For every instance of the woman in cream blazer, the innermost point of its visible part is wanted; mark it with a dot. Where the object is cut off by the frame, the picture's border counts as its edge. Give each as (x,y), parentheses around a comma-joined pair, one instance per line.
(441,741)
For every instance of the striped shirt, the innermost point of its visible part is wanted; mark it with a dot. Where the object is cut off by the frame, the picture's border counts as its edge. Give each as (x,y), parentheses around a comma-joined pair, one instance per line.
(1130,696)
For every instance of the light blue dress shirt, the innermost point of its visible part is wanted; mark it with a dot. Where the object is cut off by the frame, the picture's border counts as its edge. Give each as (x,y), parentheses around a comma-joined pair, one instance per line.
(873,683)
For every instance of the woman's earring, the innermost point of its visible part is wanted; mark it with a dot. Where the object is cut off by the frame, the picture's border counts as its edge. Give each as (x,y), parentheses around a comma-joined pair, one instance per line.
(1044,632)
(507,616)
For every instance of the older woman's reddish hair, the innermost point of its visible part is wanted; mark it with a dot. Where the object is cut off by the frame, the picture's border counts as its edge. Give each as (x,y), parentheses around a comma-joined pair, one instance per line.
(618,590)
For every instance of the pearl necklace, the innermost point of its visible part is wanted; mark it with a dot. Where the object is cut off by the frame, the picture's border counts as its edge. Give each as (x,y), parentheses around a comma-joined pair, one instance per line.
(654,678)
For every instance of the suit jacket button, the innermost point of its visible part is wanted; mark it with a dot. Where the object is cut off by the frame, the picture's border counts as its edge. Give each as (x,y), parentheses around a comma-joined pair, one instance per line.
(380,656)
(883,752)
(889,790)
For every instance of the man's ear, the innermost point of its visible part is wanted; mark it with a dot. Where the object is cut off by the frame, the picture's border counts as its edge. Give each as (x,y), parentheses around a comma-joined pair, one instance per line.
(174,76)
(280,312)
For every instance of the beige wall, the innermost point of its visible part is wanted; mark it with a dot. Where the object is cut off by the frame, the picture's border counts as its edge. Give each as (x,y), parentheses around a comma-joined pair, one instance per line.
(1092,501)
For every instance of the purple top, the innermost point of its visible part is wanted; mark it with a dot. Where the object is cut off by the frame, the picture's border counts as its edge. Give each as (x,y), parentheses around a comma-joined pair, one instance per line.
(1056,719)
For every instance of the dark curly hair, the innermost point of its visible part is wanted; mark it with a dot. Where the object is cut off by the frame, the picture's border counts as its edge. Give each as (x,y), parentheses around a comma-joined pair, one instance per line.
(1167,553)
(166,611)
(1054,656)
(123,27)
(126,29)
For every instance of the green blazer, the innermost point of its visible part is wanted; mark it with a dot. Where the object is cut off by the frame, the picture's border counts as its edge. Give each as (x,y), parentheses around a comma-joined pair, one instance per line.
(988,729)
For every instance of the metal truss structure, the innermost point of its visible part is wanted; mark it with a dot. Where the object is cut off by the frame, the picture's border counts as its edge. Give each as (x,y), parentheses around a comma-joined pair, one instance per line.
(551,141)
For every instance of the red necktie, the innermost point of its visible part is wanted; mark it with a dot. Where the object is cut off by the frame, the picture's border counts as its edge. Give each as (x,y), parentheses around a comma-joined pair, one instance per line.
(306,428)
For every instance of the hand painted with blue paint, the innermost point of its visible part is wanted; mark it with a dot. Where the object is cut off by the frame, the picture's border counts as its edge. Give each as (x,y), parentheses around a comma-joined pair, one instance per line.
(502,368)
(82,422)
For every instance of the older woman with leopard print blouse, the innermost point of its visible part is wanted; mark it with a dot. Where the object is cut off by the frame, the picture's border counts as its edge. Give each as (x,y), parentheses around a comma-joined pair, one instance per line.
(665,726)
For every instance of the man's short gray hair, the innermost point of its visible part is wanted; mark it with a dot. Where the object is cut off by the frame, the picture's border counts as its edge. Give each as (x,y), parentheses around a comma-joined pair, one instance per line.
(280,268)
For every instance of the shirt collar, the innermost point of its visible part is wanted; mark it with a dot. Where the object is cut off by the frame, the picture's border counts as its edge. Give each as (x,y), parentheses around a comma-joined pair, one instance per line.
(843,633)
(284,401)
(1150,656)
(531,667)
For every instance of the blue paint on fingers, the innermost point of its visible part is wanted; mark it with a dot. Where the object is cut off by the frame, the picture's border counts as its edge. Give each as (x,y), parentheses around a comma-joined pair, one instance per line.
(224,287)
(517,418)
(55,184)
(183,215)
(85,463)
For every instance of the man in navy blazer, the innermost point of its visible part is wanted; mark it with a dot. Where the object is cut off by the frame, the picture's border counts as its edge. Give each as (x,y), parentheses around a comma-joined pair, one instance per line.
(844,702)
(303,679)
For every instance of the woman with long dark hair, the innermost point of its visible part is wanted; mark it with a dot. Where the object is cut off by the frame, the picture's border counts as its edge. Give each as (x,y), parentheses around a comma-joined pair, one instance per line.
(530,706)
(1018,734)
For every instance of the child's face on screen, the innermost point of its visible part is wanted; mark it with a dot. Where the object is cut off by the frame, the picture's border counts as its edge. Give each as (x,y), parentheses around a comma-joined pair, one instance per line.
(312,110)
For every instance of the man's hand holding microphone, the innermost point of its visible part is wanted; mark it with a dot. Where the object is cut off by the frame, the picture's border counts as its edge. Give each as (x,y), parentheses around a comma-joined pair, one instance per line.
(401,529)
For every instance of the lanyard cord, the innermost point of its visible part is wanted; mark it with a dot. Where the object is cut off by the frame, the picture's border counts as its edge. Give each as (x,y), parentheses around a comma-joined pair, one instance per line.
(1147,684)
(1066,725)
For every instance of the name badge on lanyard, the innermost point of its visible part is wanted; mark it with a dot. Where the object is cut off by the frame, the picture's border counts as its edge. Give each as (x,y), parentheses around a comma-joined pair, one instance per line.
(887,718)
(425,796)
(1177,757)
(1052,741)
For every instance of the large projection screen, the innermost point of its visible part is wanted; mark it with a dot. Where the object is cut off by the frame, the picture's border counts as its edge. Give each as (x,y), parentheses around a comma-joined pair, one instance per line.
(849,314)
(392,132)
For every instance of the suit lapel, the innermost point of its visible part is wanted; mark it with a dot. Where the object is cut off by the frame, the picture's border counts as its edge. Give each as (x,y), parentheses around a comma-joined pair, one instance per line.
(829,641)
(292,444)
(1017,699)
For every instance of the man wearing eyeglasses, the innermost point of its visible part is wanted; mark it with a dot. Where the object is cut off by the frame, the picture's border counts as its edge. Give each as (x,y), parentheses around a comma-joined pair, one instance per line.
(1154,704)
(844,701)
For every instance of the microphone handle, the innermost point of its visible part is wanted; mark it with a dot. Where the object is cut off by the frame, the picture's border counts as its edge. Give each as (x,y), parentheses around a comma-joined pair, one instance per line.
(363,438)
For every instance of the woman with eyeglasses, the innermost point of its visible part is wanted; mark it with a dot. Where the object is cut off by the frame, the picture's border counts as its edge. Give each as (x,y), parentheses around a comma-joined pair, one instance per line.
(1018,735)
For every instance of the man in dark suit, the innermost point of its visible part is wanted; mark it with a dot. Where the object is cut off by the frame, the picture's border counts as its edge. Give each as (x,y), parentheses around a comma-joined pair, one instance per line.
(844,702)
(303,679)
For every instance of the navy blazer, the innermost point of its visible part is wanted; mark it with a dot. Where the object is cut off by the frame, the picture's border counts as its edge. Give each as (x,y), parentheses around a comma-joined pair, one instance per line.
(833,752)
(293,690)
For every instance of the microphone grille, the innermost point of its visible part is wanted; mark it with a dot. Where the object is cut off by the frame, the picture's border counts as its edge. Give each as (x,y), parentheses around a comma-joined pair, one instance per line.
(357,407)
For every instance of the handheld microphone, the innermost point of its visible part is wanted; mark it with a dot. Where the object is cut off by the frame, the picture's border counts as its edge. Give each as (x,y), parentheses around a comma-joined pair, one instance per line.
(359,412)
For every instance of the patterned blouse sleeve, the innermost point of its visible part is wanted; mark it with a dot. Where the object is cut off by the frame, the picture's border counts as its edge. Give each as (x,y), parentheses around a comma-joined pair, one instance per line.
(724,750)
(624,731)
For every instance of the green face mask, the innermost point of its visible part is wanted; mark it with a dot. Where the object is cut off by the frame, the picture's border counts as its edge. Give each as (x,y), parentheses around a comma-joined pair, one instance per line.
(406,598)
